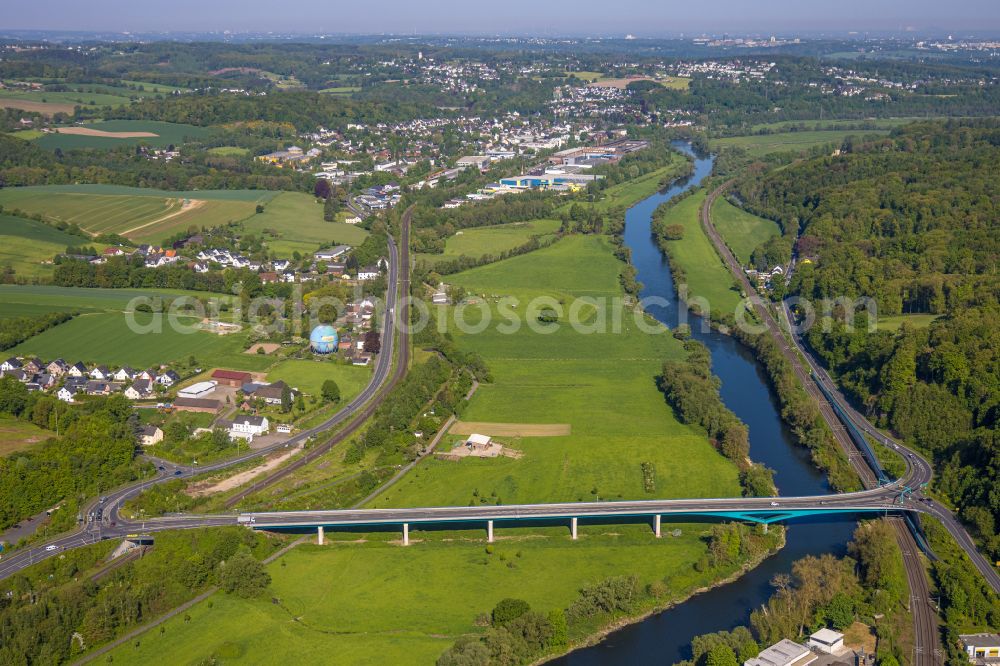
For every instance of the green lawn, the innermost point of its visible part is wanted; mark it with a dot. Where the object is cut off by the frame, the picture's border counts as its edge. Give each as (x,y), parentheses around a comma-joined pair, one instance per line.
(706,275)
(493,240)
(166,134)
(742,231)
(375,603)
(294,221)
(144,215)
(15,299)
(602,384)
(308,376)
(19,435)
(893,322)
(229,151)
(26,244)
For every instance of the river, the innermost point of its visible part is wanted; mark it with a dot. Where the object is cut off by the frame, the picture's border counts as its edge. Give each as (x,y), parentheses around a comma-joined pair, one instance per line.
(665,638)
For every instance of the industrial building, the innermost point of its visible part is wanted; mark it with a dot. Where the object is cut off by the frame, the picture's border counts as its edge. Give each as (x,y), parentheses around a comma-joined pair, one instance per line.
(783,653)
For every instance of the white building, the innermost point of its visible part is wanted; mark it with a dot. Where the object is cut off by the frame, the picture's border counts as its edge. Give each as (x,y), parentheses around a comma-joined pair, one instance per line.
(981,647)
(199,390)
(827,640)
(783,653)
(248,427)
(150,435)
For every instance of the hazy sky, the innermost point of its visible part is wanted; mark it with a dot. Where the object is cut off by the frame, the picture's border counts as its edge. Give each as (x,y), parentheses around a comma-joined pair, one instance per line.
(641,17)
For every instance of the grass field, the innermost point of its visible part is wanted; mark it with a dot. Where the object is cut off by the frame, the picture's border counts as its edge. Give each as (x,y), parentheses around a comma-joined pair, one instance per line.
(45,108)
(78,97)
(308,376)
(166,134)
(293,221)
(19,435)
(764,144)
(373,603)
(478,241)
(893,322)
(229,151)
(342,90)
(706,276)
(742,231)
(602,384)
(143,215)
(25,244)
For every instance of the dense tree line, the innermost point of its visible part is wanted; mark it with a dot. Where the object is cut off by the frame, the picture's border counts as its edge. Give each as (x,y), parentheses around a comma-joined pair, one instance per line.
(94,450)
(15,330)
(53,613)
(120,273)
(433,226)
(910,221)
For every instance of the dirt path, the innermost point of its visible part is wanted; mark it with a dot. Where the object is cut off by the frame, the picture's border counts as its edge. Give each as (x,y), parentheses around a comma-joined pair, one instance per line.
(194,204)
(237,480)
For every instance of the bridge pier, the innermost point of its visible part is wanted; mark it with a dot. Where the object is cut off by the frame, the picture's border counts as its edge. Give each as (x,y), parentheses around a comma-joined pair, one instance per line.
(406,534)
(489,531)
(319,535)
(572,527)
(656,526)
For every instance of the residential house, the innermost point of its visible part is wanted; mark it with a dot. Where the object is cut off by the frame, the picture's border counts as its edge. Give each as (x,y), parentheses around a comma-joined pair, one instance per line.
(149,374)
(168,378)
(248,427)
(271,393)
(10,364)
(369,273)
(101,372)
(139,390)
(124,374)
(78,369)
(150,435)
(57,368)
(97,387)
(65,394)
(33,365)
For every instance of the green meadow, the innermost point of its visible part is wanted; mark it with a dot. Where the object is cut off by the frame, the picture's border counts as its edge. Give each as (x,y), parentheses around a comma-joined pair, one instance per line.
(742,231)
(293,221)
(705,274)
(373,602)
(759,145)
(28,246)
(17,435)
(602,384)
(308,376)
(493,240)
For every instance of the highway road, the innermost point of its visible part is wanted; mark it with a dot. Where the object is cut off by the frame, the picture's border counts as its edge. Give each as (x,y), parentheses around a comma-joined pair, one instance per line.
(111,524)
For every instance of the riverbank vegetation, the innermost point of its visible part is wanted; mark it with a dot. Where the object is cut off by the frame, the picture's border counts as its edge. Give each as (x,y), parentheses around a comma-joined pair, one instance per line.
(868,586)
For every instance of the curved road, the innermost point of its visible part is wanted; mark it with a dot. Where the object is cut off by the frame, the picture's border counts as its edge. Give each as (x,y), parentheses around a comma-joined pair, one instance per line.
(109,524)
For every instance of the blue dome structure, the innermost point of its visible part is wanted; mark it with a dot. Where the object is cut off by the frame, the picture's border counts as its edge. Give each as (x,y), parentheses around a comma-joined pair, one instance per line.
(324,339)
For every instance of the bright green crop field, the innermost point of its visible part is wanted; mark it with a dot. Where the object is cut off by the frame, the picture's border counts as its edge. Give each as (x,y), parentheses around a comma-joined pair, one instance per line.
(742,231)
(26,244)
(142,215)
(166,134)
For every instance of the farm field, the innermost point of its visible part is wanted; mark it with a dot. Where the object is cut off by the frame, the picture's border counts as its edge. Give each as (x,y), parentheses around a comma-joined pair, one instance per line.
(141,215)
(293,221)
(742,231)
(309,376)
(166,134)
(26,244)
(478,241)
(78,97)
(602,384)
(384,595)
(706,276)
(763,144)
(45,108)
(229,151)
(16,299)
(18,435)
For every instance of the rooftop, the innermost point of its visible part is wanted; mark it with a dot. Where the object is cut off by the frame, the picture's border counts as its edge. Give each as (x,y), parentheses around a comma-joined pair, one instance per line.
(783,653)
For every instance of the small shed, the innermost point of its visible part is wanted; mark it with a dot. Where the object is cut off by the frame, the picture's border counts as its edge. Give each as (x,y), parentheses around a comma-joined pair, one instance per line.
(827,640)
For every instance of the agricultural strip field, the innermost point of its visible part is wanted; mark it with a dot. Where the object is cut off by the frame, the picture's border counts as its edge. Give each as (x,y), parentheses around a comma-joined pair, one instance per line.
(141,215)
(477,241)
(165,134)
(28,246)
(706,276)
(293,221)
(742,231)
(45,108)
(601,384)
(511,429)
(374,603)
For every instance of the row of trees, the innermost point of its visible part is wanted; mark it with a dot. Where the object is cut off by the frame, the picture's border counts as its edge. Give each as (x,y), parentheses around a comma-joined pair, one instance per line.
(15,330)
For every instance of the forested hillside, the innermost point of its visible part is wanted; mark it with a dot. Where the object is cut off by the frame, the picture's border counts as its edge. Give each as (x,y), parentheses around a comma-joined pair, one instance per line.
(912,221)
